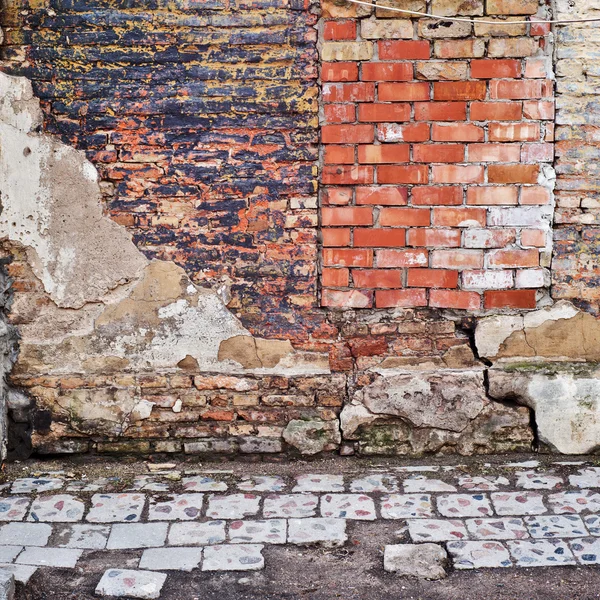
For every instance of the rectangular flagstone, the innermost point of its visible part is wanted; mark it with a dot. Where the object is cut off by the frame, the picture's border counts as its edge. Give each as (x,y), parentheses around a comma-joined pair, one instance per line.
(464,505)
(556,526)
(586,478)
(89,486)
(61,508)
(238,557)
(9,553)
(270,531)
(518,503)
(419,484)
(261,483)
(348,506)
(406,506)
(586,550)
(290,505)
(540,553)
(22,573)
(234,506)
(131,584)
(179,507)
(499,528)
(115,508)
(148,483)
(203,483)
(197,534)
(137,535)
(87,537)
(478,555)
(14,508)
(65,558)
(26,534)
(323,531)
(171,559)
(574,501)
(319,483)
(375,482)
(530,480)
(436,530)
(482,484)
(27,485)
(592,523)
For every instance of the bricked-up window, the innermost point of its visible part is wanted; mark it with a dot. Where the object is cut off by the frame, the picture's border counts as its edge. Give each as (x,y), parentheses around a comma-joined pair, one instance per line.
(437,142)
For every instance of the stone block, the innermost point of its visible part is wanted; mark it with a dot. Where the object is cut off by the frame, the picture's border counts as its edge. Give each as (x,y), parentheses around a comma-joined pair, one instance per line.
(425,561)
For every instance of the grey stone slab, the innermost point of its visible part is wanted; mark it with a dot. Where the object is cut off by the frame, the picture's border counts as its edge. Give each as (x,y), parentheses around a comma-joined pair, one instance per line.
(319,483)
(586,550)
(540,553)
(87,537)
(290,505)
(464,505)
(27,485)
(322,531)
(233,506)
(58,508)
(420,484)
(127,583)
(26,534)
(7,585)
(238,557)
(518,503)
(197,534)
(374,482)
(532,480)
(14,508)
(22,573)
(425,561)
(9,553)
(49,557)
(406,506)
(499,528)
(116,508)
(270,531)
(556,526)
(574,501)
(261,483)
(348,506)
(437,530)
(137,535)
(171,559)
(177,507)
(479,555)
(202,483)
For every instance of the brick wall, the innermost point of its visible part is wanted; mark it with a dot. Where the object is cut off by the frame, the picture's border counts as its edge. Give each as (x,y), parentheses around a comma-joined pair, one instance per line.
(436,137)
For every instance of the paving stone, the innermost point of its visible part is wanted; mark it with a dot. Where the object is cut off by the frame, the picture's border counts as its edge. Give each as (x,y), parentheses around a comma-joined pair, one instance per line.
(261,483)
(56,509)
(464,505)
(131,584)
(500,528)
(27,534)
(115,508)
(22,573)
(181,507)
(406,506)
(586,550)
(234,506)
(171,559)
(518,503)
(239,557)
(270,531)
(418,469)
(90,486)
(436,530)
(149,484)
(586,478)
(13,508)
(87,537)
(555,526)
(290,505)
(574,501)
(201,483)
(9,553)
(7,585)
(425,561)
(419,484)
(530,480)
(592,523)
(478,555)
(137,535)
(27,485)
(319,483)
(540,553)
(375,482)
(65,558)
(348,506)
(482,484)
(197,534)
(325,532)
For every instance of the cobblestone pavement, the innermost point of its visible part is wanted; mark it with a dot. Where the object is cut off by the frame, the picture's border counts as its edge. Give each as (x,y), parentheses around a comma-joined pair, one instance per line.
(161,520)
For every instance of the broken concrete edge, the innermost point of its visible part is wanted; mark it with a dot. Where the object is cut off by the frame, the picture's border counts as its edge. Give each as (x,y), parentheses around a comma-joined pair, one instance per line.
(7,585)
(423,561)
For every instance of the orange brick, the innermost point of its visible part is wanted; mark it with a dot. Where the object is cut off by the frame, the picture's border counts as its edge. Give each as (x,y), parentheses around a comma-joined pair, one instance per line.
(347,257)
(384,113)
(387,153)
(411,132)
(513,259)
(533,237)
(383,196)
(442,238)
(457,174)
(404,217)
(457,132)
(339,71)
(335,277)
(339,113)
(337,196)
(350,215)
(513,173)
(400,298)
(403,92)
(339,30)
(346,175)
(335,237)
(403,174)
(516,90)
(459,90)
(459,217)
(432,278)
(437,196)
(510,299)
(454,299)
(339,155)
(347,134)
(347,299)
(496,69)
(402,258)
(440,111)
(535,195)
(380,71)
(457,259)
(377,278)
(438,153)
(490,196)
(496,111)
(404,50)
(541,110)
(348,92)
(514,132)
(379,238)
(494,152)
